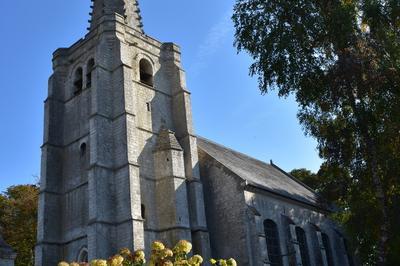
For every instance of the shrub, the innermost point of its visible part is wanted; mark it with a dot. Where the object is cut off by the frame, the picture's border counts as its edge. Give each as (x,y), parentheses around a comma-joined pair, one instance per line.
(160,256)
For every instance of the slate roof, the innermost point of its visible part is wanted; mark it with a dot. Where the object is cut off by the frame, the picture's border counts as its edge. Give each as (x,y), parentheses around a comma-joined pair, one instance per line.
(260,174)
(167,141)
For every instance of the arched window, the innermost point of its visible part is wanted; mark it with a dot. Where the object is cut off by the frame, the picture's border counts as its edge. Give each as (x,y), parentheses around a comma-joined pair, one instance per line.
(89,70)
(83,149)
(78,81)
(273,244)
(146,72)
(302,240)
(83,255)
(328,250)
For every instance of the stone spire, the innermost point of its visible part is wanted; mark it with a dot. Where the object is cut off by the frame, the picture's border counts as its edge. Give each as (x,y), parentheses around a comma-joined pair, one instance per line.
(127,8)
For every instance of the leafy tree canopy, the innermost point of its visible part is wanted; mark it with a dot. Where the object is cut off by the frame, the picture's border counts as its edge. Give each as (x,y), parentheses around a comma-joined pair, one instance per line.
(341,60)
(18,220)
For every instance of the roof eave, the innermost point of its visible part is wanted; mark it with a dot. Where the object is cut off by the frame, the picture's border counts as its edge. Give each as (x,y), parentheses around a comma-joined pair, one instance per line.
(320,207)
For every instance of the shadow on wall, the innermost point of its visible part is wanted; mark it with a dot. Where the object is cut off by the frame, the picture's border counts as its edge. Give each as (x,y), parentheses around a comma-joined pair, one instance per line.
(160,112)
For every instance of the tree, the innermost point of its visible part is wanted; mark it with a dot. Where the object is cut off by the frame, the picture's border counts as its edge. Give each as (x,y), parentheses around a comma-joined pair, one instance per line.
(307,177)
(341,60)
(331,183)
(18,219)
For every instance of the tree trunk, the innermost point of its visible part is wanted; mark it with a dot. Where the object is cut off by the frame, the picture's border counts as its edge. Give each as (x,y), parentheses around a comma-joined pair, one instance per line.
(377,181)
(382,203)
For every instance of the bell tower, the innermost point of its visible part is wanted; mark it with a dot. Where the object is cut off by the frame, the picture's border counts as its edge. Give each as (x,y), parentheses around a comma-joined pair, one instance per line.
(119,155)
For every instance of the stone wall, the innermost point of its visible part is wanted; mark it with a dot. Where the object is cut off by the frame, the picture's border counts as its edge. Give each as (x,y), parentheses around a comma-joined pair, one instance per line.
(225,209)
(287,213)
(236,213)
(7,254)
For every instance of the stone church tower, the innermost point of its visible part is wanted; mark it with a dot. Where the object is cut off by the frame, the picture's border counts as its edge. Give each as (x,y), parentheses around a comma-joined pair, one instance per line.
(122,166)
(119,158)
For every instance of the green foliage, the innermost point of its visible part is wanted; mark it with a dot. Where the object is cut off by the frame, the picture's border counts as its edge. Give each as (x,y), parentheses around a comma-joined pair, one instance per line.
(341,60)
(331,183)
(18,219)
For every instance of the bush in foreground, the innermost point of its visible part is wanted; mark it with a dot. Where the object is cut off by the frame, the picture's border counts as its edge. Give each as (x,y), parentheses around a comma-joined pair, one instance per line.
(160,256)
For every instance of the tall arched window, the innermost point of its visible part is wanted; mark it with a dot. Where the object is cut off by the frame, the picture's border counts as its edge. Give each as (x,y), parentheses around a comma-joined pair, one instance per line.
(89,70)
(146,72)
(273,244)
(328,250)
(302,240)
(78,81)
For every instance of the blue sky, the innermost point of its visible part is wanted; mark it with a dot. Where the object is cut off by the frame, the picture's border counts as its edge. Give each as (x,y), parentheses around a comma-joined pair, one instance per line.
(227,105)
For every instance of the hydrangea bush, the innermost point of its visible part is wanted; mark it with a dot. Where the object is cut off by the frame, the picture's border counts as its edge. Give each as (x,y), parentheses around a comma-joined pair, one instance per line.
(160,256)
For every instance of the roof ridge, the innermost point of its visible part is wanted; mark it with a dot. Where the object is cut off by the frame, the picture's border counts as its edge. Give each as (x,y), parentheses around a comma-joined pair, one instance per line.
(295,179)
(235,151)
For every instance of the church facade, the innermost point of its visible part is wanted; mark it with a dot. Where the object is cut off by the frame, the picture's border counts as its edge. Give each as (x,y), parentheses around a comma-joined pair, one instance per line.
(122,165)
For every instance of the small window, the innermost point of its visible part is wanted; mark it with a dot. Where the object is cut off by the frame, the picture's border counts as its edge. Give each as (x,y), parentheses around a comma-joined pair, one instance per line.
(78,81)
(148,105)
(83,255)
(146,72)
(328,250)
(89,70)
(143,211)
(302,240)
(273,243)
(83,149)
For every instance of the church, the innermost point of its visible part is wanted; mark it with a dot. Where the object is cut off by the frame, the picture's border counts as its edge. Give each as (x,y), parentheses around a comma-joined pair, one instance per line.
(122,165)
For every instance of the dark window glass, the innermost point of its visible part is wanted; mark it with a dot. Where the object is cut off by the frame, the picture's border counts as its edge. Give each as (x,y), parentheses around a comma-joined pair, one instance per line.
(301,239)
(143,211)
(273,244)
(89,70)
(83,149)
(83,256)
(78,81)
(328,250)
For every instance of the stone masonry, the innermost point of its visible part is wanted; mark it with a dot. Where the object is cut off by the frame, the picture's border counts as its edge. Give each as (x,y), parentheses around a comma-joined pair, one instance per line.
(102,171)
(7,254)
